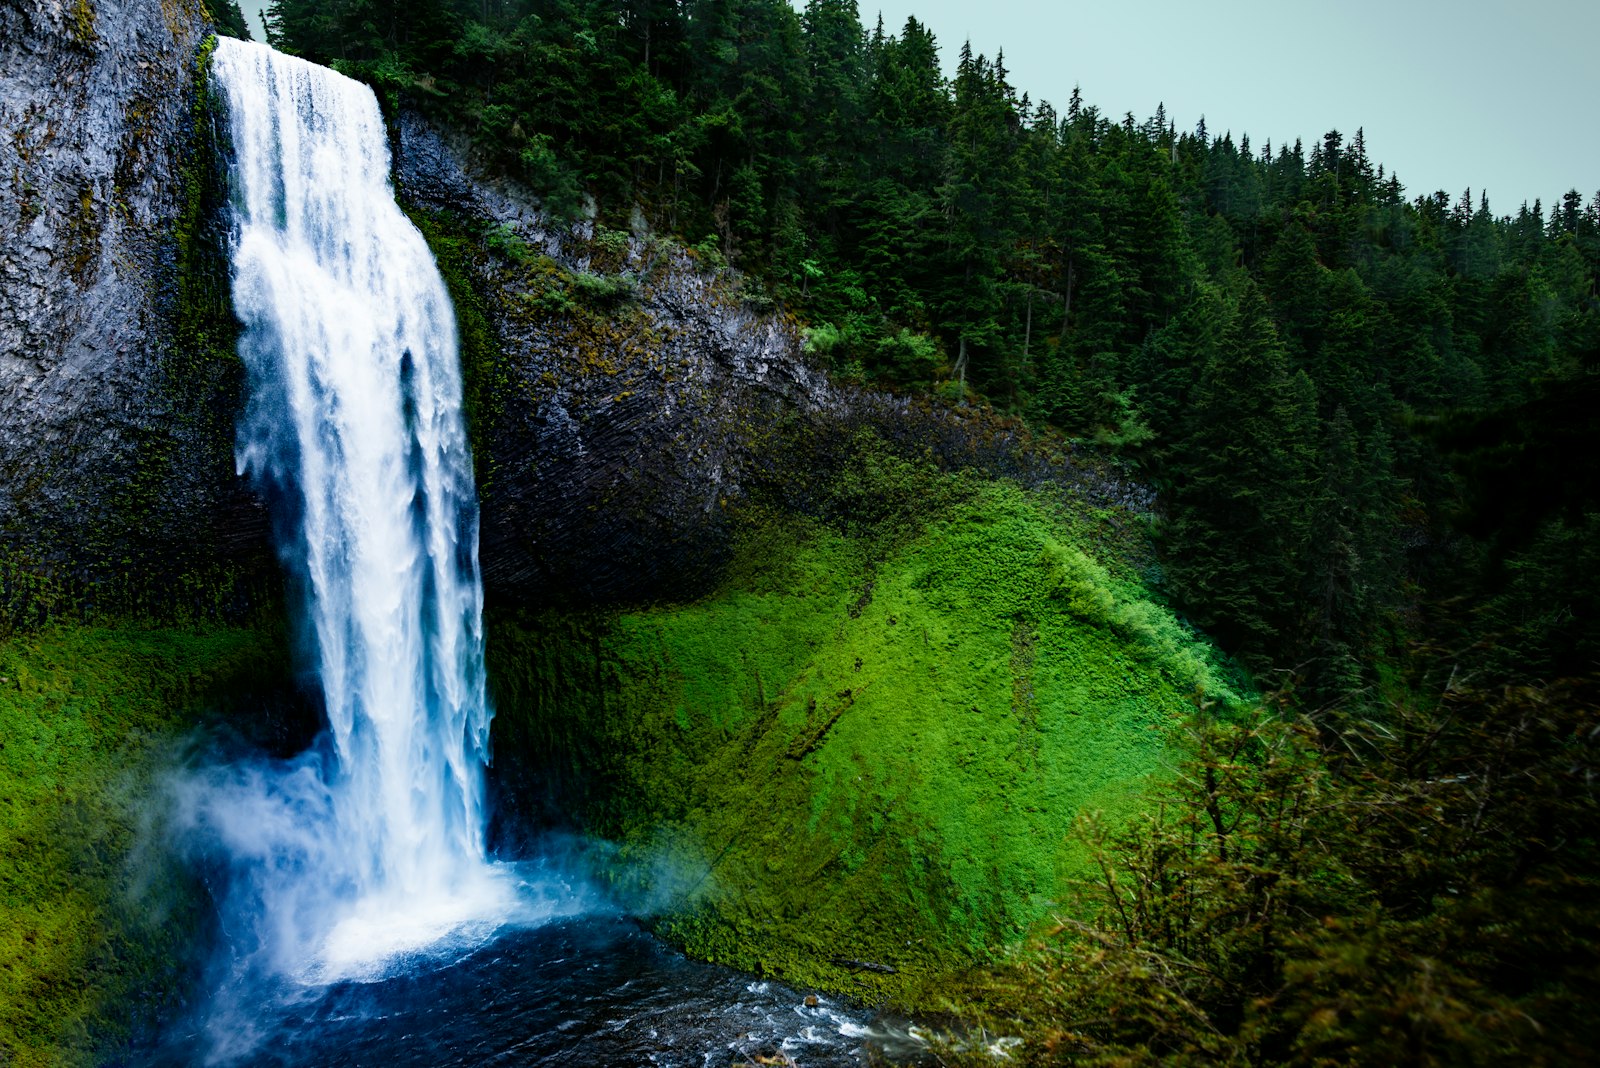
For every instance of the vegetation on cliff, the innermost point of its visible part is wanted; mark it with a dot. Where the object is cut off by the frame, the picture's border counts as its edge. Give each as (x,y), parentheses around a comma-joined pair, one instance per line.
(1261,328)
(1426,897)
(96,932)
(1357,406)
(865,747)
(873,754)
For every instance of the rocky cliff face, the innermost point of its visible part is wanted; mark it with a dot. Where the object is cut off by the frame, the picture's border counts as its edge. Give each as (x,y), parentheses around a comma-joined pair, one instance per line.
(117,392)
(630,402)
(626,400)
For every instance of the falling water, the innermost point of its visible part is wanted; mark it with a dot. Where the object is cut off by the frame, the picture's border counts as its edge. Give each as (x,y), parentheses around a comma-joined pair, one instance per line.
(370,848)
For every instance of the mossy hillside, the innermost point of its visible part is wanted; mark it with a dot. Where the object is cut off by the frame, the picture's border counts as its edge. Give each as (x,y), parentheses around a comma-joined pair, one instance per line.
(869,745)
(87,935)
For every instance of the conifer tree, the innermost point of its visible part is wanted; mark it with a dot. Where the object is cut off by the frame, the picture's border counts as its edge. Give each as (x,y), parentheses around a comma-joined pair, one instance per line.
(1241,476)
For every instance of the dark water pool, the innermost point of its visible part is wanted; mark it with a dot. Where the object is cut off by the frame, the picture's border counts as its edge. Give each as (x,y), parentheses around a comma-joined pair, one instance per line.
(595,990)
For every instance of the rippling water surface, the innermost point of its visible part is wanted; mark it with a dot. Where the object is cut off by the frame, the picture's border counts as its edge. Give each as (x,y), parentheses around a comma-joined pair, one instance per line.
(595,990)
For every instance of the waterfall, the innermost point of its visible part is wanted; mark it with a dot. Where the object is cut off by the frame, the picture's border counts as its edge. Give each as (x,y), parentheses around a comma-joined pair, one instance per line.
(369,848)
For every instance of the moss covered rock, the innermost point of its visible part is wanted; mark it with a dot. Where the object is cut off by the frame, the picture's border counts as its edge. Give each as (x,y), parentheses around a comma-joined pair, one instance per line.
(628,394)
(96,929)
(857,763)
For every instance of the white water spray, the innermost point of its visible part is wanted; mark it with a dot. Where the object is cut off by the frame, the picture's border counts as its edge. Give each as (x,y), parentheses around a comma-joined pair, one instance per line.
(371,848)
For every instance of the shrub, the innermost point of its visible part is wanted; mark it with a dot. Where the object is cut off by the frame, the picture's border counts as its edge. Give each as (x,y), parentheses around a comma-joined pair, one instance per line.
(1421,890)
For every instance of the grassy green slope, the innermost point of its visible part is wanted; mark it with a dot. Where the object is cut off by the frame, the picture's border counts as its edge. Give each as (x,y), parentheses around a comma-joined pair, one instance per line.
(862,749)
(84,712)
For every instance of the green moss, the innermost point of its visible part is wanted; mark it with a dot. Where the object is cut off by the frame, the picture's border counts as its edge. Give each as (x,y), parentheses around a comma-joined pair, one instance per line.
(82,18)
(594,317)
(205,359)
(83,228)
(29,595)
(870,744)
(483,365)
(85,713)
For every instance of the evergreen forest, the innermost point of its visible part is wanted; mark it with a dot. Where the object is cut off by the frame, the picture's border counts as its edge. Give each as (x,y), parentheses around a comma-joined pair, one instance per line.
(1356,403)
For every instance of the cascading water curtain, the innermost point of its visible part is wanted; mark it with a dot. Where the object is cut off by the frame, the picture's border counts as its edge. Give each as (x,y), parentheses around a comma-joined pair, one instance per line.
(370,847)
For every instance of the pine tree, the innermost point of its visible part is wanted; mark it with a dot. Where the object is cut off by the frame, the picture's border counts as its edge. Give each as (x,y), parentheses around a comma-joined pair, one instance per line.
(1241,479)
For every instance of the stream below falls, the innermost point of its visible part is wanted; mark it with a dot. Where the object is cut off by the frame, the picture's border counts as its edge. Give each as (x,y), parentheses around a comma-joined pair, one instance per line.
(587,990)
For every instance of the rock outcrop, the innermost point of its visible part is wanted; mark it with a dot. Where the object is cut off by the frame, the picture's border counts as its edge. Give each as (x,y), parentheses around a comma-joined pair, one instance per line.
(626,398)
(117,392)
(633,400)
(906,680)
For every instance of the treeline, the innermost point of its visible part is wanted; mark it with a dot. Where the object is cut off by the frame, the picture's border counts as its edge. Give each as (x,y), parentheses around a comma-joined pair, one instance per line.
(1282,340)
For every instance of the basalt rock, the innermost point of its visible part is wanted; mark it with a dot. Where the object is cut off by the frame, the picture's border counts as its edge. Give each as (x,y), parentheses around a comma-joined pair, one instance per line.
(117,387)
(627,398)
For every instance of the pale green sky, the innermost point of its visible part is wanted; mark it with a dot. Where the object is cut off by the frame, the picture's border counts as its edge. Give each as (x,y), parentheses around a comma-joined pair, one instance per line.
(1488,93)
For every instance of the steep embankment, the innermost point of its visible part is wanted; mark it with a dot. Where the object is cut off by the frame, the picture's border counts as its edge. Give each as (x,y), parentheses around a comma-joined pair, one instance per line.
(858,762)
(834,671)
(835,702)
(118,384)
(94,932)
(118,388)
(626,397)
